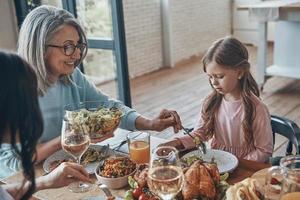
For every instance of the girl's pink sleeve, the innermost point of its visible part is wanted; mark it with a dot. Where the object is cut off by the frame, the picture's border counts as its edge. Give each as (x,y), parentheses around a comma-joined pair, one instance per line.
(186,140)
(263,137)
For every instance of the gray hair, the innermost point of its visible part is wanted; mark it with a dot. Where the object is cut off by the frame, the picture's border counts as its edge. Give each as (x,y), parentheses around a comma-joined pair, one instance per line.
(38,28)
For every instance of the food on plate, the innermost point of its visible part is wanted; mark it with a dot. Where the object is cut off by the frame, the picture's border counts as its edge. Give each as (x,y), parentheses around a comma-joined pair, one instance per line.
(115,167)
(138,192)
(141,174)
(199,181)
(96,122)
(91,155)
(275,186)
(213,171)
(56,163)
(202,181)
(188,161)
(248,189)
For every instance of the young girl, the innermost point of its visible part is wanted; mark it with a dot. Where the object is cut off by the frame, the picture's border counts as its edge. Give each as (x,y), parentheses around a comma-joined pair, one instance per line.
(233,115)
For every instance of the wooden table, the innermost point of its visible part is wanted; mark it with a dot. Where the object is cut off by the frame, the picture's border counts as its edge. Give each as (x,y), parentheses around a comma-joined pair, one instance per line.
(245,169)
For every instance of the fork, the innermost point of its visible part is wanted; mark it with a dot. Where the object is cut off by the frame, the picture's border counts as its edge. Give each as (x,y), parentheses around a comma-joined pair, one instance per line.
(106,191)
(120,145)
(124,142)
(201,146)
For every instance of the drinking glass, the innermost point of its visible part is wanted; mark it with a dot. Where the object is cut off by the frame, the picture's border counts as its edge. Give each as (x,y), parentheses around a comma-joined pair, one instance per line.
(75,143)
(165,176)
(283,182)
(139,146)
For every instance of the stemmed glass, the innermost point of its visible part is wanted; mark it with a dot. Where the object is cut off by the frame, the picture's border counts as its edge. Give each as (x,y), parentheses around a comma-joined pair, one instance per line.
(75,143)
(165,176)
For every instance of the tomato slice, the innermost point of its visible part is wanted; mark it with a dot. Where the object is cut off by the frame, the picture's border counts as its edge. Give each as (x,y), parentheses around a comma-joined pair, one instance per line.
(144,196)
(137,192)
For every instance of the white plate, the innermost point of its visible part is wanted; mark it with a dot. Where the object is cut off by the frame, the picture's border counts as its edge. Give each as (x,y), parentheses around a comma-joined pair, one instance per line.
(226,161)
(62,155)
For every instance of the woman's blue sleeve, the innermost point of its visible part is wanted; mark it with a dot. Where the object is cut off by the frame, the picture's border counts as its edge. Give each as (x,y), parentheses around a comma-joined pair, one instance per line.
(10,161)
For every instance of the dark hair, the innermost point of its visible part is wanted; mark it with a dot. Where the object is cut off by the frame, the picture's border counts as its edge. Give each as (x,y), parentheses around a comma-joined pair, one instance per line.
(20,114)
(231,53)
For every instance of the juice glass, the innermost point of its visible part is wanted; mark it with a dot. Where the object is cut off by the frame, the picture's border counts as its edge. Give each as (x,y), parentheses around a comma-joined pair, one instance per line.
(139,146)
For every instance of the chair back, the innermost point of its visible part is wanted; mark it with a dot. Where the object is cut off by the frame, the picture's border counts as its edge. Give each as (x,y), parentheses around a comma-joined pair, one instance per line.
(288,129)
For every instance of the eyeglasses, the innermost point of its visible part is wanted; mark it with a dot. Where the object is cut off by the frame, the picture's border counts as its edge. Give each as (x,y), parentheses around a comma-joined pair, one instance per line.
(69,49)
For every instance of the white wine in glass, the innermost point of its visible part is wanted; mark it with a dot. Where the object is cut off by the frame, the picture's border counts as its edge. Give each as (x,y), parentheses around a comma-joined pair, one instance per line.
(165,176)
(75,144)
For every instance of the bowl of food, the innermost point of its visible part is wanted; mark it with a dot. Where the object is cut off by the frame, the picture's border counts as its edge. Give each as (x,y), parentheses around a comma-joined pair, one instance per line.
(94,117)
(114,171)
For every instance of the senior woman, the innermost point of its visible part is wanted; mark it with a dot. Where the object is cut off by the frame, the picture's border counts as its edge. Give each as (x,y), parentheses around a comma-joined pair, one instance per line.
(54,43)
(20,127)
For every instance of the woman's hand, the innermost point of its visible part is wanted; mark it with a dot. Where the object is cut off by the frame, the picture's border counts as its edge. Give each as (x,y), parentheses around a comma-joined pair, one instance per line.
(165,119)
(63,175)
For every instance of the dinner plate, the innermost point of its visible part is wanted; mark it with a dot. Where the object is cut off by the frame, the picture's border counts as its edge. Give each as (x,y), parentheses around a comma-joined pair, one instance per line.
(62,155)
(226,161)
(260,176)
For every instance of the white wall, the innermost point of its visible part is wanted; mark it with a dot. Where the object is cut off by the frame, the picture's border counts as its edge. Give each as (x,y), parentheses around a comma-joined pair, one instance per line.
(143,35)
(195,24)
(191,27)
(8,25)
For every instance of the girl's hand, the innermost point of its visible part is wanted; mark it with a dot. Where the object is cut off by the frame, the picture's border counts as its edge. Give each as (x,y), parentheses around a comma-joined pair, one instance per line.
(63,175)
(166,119)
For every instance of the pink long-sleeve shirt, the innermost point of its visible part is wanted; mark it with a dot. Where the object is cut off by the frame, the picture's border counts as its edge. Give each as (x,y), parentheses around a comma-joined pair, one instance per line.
(229,134)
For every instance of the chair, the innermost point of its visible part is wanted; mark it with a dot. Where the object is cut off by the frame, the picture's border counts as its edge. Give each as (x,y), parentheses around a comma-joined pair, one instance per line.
(288,129)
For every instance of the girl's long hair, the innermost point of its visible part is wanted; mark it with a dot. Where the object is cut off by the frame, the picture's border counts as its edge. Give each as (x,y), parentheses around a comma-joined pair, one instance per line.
(231,53)
(20,114)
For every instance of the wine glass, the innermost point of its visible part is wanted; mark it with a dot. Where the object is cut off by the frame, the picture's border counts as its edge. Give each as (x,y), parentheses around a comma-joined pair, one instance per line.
(75,142)
(165,176)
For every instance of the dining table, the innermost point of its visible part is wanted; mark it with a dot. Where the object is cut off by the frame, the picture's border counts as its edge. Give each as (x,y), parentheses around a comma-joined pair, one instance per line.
(245,168)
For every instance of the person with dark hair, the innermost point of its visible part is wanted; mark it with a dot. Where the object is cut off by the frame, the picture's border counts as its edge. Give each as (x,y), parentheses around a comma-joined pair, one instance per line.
(233,115)
(21,126)
(53,42)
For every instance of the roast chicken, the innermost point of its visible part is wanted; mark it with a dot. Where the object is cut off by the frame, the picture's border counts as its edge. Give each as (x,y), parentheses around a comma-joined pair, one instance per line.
(141,175)
(199,181)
